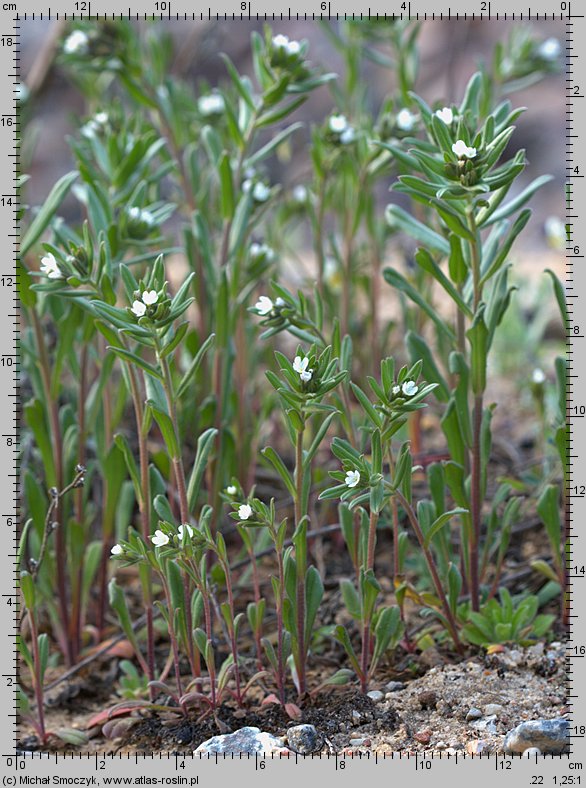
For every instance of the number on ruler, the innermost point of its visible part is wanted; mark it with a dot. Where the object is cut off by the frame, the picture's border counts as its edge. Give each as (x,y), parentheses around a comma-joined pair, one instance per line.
(484,6)
(81,5)
(7,281)
(6,41)
(162,5)
(6,200)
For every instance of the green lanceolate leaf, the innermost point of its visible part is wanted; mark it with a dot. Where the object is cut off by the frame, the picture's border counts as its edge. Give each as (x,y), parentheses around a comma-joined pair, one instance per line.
(274,458)
(47,212)
(205,443)
(440,522)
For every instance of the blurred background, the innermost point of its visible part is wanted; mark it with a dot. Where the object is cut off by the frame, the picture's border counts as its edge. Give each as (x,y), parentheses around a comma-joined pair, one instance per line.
(450,53)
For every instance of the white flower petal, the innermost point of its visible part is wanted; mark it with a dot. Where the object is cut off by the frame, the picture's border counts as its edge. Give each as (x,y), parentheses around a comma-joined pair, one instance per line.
(461,149)
(185,529)
(337,124)
(245,511)
(406,120)
(409,388)
(446,115)
(150,297)
(352,478)
(231,490)
(117,549)
(538,376)
(139,308)
(160,539)
(76,43)
(264,305)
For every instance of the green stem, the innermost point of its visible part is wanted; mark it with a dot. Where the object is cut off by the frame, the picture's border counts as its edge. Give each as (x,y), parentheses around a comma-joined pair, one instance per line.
(476,476)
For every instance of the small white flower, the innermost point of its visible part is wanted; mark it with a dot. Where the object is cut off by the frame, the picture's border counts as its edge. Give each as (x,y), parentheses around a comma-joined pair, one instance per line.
(101,118)
(300,364)
(347,136)
(159,539)
(141,215)
(306,376)
(280,41)
(293,48)
(406,120)
(461,149)
(446,115)
(138,308)
(264,305)
(550,49)
(352,478)
(117,549)
(396,389)
(76,43)
(245,511)
(261,250)
(280,302)
(150,297)
(261,192)
(409,388)
(555,231)
(212,104)
(538,376)
(337,124)
(300,194)
(21,92)
(49,266)
(183,530)
(231,490)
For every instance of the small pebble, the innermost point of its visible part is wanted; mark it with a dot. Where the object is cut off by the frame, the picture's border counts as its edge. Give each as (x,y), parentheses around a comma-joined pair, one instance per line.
(359,742)
(487,724)
(551,736)
(304,739)
(531,752)
(376,695)
(427,700)
(356,716)
(423,737)
(394,686)
(473,714)
(476,747)
(441,745)
(493,708)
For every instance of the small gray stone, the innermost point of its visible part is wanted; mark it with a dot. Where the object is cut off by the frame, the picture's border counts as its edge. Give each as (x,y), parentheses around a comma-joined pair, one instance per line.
(473,714)
(487,724)
(394,686)
(493,709)
(304,739)
(550,736)
(532,752)
(375,695)
(356,716)
(246,740)
(441,745)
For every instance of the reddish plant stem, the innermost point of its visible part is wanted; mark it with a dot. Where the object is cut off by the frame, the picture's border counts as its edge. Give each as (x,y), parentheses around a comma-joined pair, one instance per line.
(75,621)
(233,644)
(179,473)
(301,559)
(37,678)
(279,611)
(450,621)
(60,552)
(144,505)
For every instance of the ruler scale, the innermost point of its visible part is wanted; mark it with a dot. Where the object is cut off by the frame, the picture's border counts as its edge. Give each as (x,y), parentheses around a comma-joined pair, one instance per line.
(105,768)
